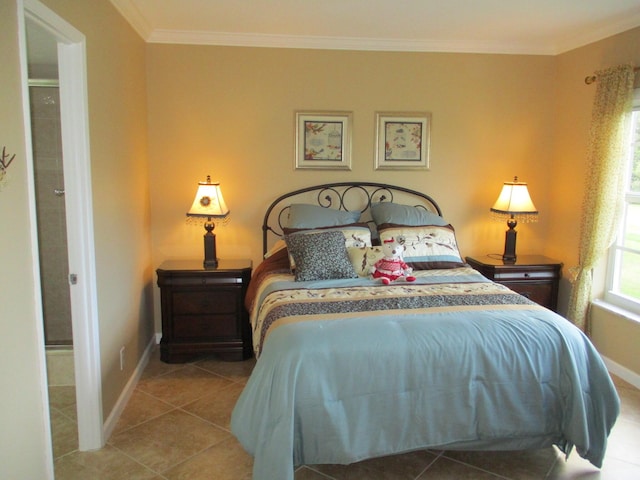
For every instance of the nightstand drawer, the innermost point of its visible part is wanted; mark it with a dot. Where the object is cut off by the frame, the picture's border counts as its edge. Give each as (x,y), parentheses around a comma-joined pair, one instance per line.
(219,301)
(201,280)
(204,327)
(539,293)
(504,276)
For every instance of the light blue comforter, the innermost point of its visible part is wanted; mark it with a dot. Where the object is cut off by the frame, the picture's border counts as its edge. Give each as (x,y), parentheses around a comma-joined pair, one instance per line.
(500,373)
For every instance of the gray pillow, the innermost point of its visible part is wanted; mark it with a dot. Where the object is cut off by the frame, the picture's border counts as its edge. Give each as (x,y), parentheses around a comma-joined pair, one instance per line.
(396,213)
(320,256)
(302,215)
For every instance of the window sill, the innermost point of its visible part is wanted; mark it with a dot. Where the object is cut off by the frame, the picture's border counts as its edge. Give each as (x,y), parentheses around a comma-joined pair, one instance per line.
(616,310)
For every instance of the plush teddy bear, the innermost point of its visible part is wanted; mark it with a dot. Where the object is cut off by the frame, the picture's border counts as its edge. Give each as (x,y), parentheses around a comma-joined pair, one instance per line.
(391,267)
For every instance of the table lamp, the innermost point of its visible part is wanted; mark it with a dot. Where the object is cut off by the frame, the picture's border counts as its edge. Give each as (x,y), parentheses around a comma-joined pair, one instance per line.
(209,204)
(514,204)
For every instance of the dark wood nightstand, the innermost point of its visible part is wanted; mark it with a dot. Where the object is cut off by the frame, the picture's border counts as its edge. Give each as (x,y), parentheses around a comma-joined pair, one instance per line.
(203,310)
(534,276)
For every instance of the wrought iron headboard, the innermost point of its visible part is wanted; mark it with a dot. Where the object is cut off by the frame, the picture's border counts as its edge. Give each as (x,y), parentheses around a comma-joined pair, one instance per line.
(341,196)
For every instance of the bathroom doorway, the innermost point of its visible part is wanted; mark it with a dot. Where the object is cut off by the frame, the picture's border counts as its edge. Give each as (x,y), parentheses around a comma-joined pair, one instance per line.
(48,173)
(49,41)
(46,142)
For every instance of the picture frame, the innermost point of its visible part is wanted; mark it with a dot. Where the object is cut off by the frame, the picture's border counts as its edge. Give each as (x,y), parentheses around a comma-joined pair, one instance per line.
(323,140)
(402,140)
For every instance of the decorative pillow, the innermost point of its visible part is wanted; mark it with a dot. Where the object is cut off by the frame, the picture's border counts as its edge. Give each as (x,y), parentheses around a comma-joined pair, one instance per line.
(302,215)
(427,246)
(363,258)
(389,212)
(320,256)
(355,235)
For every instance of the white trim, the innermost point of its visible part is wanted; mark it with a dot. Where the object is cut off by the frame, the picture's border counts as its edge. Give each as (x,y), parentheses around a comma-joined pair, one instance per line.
(37,292)
(79,211)
(121,403)
(617,310)
(623,372)
(131,13)
(190,37)
(589,34)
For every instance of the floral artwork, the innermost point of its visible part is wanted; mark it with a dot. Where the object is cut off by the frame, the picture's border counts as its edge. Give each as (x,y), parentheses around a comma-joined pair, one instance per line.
(402,141)
(323,140)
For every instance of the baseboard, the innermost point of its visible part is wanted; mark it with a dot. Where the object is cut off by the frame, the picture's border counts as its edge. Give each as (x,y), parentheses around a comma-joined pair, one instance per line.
(123,399)
(623,372)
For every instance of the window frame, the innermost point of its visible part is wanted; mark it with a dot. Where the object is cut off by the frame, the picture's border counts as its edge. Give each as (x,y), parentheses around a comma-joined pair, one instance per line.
(617,249)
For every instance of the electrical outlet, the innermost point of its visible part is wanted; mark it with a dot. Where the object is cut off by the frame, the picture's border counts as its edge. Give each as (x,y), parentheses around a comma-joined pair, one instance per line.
(122,359)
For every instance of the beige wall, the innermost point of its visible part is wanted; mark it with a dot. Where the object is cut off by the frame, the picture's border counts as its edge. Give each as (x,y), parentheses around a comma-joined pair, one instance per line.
(615,337)
(22,436)
(229,112)
(119,163)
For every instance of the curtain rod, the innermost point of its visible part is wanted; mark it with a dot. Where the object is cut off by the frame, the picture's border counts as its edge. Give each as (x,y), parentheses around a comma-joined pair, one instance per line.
(589,79)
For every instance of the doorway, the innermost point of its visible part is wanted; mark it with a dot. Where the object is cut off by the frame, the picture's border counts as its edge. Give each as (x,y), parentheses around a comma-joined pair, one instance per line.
(46,144)
(46,139)
(66,45)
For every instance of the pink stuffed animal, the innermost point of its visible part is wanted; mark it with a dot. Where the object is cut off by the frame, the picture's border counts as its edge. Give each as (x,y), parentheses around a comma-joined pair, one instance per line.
(391,267)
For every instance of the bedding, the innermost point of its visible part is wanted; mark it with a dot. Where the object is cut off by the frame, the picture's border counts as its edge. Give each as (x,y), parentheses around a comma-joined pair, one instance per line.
(354,235)
(320,256)
(426,246)
(302,215)
(349,369)
(389,212)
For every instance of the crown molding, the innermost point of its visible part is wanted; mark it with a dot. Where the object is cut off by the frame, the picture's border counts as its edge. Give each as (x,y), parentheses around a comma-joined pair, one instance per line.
(132,15)
(340,43)
(590,34)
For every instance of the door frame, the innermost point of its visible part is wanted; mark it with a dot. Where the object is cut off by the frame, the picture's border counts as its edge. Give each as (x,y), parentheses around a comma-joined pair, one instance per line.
(74,115)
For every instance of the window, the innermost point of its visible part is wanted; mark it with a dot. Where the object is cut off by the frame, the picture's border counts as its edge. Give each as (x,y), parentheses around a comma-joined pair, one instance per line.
(623,275)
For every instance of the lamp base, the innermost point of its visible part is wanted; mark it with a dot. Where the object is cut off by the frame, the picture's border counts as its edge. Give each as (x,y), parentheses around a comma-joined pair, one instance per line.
(210,264)
(509,255)
(210,258)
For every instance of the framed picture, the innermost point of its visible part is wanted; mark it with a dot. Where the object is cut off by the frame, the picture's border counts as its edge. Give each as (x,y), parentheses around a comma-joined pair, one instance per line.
(402,141)
(323,140)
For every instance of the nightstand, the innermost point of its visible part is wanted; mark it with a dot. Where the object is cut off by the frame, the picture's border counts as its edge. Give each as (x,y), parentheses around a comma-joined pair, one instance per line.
(534,276)
(203,310)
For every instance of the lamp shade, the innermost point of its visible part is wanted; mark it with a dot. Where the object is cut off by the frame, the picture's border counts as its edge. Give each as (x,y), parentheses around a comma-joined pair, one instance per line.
(514,201)
(208,201)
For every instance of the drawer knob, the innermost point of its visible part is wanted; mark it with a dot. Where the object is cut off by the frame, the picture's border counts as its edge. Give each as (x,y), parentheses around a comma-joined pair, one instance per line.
(526,275)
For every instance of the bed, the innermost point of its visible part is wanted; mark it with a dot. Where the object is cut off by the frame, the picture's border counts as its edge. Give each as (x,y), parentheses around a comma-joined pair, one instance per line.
(349,369)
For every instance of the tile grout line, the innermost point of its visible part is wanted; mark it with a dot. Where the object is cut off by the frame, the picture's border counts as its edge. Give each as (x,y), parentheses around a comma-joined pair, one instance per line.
(430,464)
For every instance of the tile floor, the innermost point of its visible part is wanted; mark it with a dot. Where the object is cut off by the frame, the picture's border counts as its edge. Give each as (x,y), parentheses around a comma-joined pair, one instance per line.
(176,427)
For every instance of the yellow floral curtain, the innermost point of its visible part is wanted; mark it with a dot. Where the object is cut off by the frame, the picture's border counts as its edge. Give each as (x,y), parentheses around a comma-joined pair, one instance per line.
(604,182)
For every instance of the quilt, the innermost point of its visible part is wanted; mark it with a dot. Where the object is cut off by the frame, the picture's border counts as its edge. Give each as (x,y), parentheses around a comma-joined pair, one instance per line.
(349,369)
